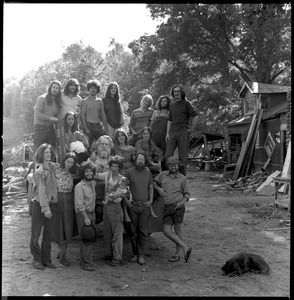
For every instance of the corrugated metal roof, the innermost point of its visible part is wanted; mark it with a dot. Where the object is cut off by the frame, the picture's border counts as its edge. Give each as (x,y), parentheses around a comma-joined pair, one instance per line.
(263,88)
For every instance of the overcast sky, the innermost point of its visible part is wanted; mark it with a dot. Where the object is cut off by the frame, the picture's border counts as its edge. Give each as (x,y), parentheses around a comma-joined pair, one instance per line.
(35,34)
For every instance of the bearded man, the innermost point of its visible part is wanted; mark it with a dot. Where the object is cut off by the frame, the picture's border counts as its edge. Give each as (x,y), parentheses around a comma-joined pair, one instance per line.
(84,207)
(141,186)
(101,150)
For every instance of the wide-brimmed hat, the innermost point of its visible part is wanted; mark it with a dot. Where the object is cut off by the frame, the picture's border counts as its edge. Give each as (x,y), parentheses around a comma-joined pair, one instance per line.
(89,234)
(172,160)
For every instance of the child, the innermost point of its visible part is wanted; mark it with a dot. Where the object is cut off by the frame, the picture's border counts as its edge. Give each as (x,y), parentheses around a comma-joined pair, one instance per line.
(79,146)
(122,187)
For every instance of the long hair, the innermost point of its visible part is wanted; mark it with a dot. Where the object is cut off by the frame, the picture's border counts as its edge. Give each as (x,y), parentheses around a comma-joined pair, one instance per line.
(116,134)
(107,94)
(39,155)
(94,83)
(73,169)
(75,124)
(183,94)
(71,81)
(158,103)
(149,98)
(149,130)
(145,156)
(84,166)
(49,94)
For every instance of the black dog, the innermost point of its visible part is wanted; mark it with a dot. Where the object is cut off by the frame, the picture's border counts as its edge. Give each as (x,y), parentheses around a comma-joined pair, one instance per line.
(244,262)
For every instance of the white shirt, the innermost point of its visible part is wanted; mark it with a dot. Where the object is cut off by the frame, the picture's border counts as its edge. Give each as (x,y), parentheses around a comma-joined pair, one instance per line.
(69,104)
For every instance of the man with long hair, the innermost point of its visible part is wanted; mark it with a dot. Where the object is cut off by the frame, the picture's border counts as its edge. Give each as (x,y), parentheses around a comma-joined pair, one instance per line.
(92,113)
(158,123)
(177,135)
(46,111)
(141,187)
(70,99)
(113,108)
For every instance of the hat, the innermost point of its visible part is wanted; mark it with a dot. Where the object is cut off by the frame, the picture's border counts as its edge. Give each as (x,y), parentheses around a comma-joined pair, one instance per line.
(88,234)
(172,160)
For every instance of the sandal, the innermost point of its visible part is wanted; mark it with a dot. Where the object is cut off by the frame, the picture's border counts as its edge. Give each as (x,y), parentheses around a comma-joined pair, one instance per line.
(174,258)
(187,256)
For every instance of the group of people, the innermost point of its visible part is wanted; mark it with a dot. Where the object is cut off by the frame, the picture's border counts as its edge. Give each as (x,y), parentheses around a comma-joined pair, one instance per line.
(103,172)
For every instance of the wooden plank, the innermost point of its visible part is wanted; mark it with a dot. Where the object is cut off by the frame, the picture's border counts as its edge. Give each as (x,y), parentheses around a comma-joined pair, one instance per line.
(251,147)
(240,160)
(252,125)
(268,180)
(286,168)
(265,164)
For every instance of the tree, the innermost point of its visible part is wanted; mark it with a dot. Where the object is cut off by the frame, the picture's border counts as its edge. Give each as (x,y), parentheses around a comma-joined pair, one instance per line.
(218,39)
(207,47)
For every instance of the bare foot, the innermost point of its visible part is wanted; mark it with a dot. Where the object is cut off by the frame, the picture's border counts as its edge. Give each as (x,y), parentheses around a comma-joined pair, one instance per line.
(153,214)
(127,219)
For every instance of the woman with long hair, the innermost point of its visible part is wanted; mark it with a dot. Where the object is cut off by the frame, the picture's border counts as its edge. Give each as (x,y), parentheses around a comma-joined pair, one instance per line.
(65,230)
(153,153)
(123,149)
(45,198)
(70,127)
(158,123)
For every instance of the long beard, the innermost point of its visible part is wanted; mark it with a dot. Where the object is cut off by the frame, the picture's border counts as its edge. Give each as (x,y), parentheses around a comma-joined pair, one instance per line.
(139,167)
(104,153)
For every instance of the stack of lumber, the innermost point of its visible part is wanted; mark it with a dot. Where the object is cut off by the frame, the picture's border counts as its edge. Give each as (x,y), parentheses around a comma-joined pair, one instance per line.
(12,188)
(247,151)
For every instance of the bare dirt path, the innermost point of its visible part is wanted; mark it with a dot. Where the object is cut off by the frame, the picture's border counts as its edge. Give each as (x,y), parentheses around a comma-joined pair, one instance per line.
(218,224)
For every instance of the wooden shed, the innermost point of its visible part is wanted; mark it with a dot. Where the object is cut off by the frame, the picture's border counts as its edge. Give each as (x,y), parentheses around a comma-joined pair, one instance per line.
(273,132)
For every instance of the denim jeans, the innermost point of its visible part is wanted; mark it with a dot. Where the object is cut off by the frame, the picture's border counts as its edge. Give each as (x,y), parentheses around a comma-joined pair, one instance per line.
(43,134)
(113,230)
(139,215)
(86,253)
(43,254)
(179,139)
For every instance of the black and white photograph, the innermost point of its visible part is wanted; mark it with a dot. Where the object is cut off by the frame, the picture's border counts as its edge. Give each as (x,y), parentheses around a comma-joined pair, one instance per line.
(146,149)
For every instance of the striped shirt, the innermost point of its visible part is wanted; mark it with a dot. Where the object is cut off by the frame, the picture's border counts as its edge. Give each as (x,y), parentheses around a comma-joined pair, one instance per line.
(140,119)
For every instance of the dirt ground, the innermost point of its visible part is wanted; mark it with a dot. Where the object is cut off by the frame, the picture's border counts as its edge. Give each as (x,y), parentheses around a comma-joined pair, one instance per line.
(218,224)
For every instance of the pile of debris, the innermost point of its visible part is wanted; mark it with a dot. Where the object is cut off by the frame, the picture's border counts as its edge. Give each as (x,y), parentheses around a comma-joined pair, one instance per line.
(246,183)
(13,184)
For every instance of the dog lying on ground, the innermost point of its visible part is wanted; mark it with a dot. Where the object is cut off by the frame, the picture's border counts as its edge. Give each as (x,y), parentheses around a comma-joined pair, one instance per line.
(244,262)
